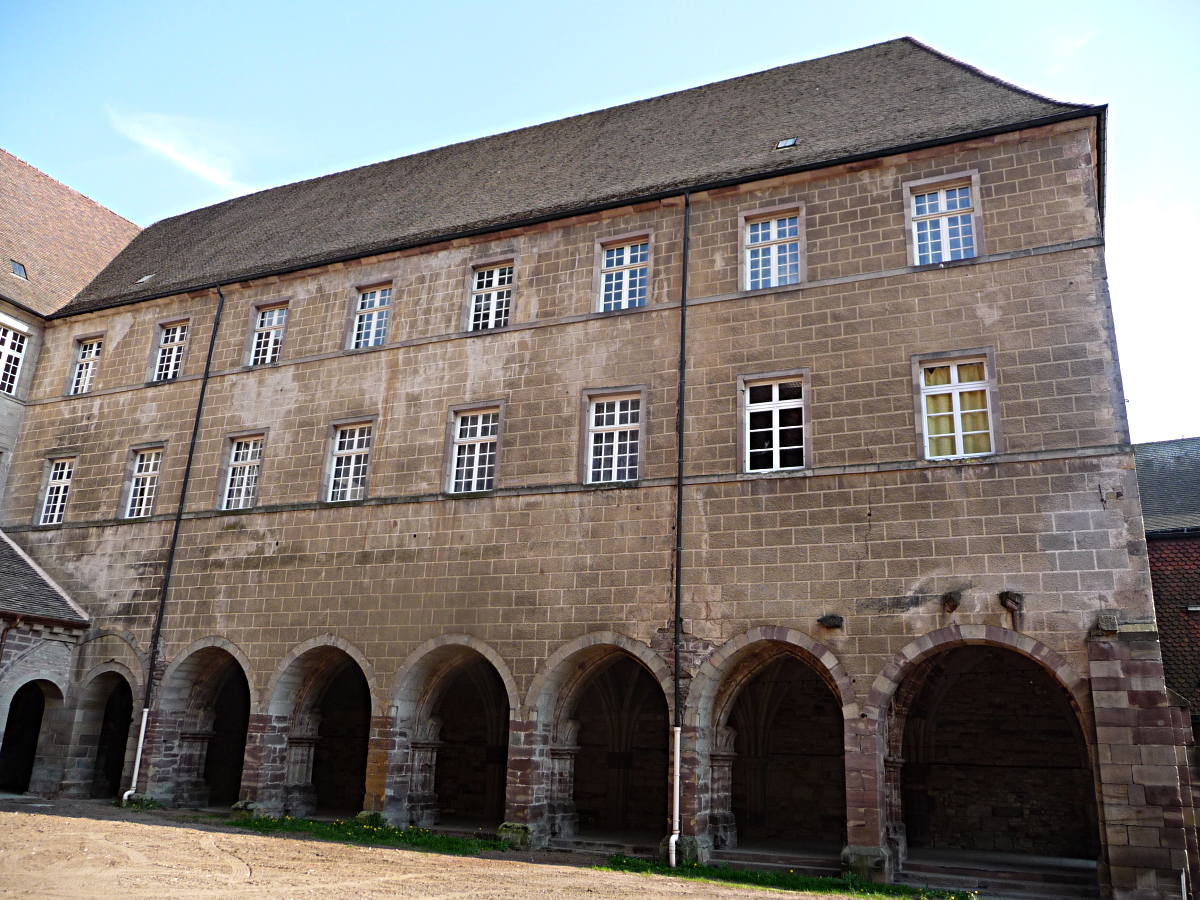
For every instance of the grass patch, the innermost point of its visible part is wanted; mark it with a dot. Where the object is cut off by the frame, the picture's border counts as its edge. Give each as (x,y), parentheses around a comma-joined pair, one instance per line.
(141,803)
(373,831)
(784,881)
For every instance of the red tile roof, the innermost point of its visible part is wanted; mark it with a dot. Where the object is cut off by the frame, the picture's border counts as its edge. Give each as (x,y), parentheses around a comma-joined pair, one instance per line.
(62,238)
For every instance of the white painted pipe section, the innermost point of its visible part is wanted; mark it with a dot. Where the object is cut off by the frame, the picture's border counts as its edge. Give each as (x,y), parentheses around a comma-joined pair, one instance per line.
(676,784)
(137,760)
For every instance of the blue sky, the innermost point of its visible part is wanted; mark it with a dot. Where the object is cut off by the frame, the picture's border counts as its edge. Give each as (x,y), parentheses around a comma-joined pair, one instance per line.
(155,108)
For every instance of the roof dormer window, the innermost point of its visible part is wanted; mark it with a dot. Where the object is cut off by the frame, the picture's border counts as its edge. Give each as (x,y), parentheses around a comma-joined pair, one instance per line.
(19,270)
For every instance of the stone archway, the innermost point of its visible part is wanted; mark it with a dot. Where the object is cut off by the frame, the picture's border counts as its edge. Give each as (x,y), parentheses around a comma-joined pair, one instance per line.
(766,723)
(31,747)
(101,735)
(454,701)
(201,726)
(603,704)
(968,695)
(315,738)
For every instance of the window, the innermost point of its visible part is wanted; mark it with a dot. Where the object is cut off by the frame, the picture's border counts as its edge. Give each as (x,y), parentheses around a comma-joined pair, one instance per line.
(19,270)
(12,351)
(474,459)
(773,251)
(241,483)
(267,340)
(348,466)
(613,438)
(172,340)
(954,401)
(943,223)
(144,483)
(491,297)
(87,357)
(371,315)
(774,424)
(624,275)
(58,486)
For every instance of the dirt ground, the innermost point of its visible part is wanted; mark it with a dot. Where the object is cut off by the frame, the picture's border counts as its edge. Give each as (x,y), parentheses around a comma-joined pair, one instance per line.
(68,848)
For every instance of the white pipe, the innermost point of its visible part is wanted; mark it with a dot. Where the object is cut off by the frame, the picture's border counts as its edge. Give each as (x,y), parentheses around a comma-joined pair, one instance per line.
(676,783)
(137,760)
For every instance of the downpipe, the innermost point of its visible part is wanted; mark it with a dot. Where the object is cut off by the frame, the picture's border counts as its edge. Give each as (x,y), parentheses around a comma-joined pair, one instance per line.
(137,760)
(676,791)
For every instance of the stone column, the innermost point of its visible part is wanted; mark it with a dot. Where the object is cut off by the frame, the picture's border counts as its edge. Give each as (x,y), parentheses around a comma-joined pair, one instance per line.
(299,795)
(1141,805)
(564,820)
(722,824)
(190,787)
(264,768)
(526,802)
(380,748)
(866,853)
(422,796)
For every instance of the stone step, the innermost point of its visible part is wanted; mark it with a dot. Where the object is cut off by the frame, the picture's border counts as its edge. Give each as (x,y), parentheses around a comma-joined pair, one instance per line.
(1003,884)
(810,863)
(604,848)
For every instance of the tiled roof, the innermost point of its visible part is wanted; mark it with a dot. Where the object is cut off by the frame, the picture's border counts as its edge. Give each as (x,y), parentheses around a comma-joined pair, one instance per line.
(25,590)
(857,104)
(1169,481)
(60,236)
(1175,571)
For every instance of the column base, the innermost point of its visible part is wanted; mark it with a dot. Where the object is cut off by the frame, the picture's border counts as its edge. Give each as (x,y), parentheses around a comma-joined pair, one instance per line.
(869,863)
(522,836)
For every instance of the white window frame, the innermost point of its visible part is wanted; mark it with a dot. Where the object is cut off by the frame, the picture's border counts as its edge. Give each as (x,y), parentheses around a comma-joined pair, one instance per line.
(775,244)
(88,351)
(59,473)
(955,389)
(474,449)
(619,414)
(491,300)
(943,223)
(243,471)
(267,333)
(14,343)
(349,461)
(775,406)
(145,469)
(171,347)
(623,272)
(372,317)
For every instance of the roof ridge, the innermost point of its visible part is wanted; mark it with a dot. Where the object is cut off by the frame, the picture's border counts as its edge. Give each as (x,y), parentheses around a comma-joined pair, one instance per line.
(1178,440)
(78,193)
(995,79)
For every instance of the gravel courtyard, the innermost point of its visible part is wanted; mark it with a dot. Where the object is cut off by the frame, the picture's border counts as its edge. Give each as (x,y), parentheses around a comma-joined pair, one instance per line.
(91,849)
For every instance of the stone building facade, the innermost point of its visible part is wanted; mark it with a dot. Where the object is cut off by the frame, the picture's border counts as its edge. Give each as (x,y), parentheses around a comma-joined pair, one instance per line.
(379,485)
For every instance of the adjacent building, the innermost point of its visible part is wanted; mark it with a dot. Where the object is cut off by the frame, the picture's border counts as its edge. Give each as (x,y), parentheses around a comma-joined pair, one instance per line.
(784,411)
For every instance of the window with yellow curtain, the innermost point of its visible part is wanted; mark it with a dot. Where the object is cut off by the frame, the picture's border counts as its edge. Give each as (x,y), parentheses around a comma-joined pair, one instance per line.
(954,399)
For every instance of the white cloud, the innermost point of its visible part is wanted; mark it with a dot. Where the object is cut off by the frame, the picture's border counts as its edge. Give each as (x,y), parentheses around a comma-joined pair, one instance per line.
(192,144)
(1063,48)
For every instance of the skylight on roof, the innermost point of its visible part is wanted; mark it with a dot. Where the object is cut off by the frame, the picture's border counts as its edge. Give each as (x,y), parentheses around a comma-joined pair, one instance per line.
(785,143)
(19,270)
(144,278)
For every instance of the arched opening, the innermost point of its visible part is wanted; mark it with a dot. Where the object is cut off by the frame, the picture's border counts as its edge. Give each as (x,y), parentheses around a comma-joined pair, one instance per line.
(327,700)
(113,738)
(782,740)
(472,756)
(619,719)
(227,739)
(25,734)
(203,717)
(991,759)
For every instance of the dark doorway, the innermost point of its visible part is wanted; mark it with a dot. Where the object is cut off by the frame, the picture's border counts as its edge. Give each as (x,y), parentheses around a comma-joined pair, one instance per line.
(621,778)
(789,783)
(340,756)
(994,758)
(19,750)
(472,760)
(227,745)
(113,738)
